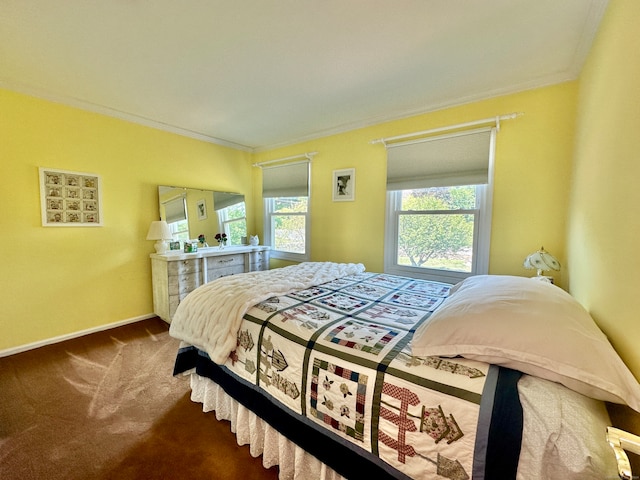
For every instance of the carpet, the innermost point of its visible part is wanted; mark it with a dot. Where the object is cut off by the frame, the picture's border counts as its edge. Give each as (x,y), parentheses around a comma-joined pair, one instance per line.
(106,406)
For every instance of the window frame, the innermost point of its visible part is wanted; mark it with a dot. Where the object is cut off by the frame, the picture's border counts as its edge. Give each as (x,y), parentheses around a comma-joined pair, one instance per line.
(269,235)
(480,255)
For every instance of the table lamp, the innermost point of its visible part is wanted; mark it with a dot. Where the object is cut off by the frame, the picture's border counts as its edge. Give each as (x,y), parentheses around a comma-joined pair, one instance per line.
(542,261)
(160,231)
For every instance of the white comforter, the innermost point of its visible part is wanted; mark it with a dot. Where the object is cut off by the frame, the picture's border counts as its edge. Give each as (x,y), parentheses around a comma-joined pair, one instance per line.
(210,316)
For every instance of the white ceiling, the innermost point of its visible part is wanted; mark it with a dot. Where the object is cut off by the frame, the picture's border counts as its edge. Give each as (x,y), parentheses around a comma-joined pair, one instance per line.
(263,73)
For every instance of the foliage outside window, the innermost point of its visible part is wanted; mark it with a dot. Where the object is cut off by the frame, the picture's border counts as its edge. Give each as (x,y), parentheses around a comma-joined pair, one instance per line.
(434,232)
(233,222)
(287,218)
(435,228)
(180,230)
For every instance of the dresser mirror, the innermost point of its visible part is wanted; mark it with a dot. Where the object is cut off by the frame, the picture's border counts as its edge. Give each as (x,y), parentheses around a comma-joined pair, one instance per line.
(191,212)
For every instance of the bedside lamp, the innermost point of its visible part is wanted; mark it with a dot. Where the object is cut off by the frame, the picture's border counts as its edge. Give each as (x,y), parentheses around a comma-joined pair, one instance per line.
(542,261)
(159,230)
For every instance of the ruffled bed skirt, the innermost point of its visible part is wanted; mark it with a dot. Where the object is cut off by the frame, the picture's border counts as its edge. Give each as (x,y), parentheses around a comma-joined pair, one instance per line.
(294,463)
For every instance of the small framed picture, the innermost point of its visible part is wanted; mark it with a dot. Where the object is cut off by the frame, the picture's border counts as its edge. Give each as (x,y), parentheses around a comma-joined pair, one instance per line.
(201,206)
(344,185)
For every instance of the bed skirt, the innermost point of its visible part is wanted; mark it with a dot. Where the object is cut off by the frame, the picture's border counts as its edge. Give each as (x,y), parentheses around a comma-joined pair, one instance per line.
(294,463)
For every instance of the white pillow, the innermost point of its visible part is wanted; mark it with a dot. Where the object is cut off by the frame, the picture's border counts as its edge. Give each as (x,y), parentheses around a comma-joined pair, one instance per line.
(534,327)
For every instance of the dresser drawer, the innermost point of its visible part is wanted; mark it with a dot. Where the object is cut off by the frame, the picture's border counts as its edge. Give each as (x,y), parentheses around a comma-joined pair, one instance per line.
(174,301)
(225,261)
(214,273)
(183,284)
(258,256)
(258,266)
(180,267)
(258,261)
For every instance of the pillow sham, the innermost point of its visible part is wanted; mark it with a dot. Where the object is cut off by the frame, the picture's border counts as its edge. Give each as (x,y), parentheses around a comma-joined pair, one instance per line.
(534,327)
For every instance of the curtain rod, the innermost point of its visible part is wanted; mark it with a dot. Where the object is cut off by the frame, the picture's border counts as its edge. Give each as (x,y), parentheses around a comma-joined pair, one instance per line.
(309,156)
(450,127)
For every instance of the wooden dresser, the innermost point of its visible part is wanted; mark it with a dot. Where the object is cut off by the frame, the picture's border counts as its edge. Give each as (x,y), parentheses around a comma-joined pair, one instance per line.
(174,275)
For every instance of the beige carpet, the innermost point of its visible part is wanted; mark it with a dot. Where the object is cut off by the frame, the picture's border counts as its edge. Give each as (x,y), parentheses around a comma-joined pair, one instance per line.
(107,406)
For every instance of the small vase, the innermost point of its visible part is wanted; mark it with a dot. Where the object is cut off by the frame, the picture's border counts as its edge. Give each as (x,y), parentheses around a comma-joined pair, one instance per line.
(222,245)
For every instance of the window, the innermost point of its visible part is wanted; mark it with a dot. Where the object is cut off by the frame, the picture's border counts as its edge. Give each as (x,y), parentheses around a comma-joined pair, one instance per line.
(233,222)
(175,211)
(288,225)
(285,190)
(439,206)
(180,230)
(434,232)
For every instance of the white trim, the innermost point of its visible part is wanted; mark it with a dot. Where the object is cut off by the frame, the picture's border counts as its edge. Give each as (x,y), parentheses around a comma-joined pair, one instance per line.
(554,79)
(70,336)
(112,112)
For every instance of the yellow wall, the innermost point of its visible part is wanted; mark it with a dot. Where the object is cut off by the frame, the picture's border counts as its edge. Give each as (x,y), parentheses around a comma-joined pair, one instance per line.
(56,280)
(604,231)
(533,168)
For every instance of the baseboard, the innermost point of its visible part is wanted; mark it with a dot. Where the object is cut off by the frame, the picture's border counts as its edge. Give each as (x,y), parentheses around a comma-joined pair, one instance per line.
(69,336)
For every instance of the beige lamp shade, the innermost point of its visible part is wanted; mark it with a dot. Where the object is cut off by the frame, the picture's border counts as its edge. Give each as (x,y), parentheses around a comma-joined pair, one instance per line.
(159,230)
(542,261)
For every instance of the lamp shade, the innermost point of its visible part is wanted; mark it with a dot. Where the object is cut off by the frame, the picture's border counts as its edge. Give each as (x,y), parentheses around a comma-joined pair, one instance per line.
(542,261)
(159,230)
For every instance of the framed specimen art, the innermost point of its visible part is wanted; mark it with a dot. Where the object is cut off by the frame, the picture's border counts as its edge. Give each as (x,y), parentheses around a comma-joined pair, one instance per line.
(70,199)
(344,185)
(201,207)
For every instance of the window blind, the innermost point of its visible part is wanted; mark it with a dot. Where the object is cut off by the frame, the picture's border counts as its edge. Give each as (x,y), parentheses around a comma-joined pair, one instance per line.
(460,158)
(223,200)
(290,180)
(174,210)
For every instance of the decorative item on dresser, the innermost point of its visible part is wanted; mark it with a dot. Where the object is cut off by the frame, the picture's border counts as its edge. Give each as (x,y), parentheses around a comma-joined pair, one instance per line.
(159,230)
(174,275)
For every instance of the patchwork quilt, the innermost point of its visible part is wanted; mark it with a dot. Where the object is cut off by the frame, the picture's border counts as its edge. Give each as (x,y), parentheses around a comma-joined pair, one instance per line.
(331,364)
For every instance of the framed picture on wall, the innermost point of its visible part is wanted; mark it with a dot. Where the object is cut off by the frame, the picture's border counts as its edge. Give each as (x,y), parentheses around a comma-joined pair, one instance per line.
(344,185)
(201,207)
(70,199)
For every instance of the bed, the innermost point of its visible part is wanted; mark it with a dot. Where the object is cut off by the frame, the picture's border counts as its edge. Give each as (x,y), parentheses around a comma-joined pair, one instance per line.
(330,371)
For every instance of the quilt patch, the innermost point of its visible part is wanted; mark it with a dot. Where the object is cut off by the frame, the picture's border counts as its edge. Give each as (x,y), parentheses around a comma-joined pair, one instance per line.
(310,293)
(398,316)
(309,316)
(372,292)
(415,300)
(396,408)
(370,338)
(443,364)
(338,397)
(389,281)
(429,288)
(272,365)
(342,302)
(243,360)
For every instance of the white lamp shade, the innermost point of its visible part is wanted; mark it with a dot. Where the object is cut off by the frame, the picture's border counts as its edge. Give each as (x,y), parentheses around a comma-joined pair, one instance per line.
(541,261)
(160,231)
